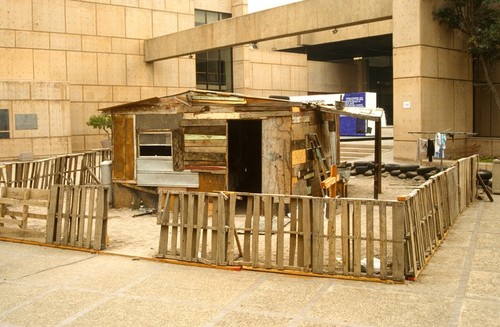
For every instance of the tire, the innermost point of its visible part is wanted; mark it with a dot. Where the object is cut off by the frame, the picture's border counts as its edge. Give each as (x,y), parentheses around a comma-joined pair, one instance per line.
(361,163)
(424,170)
(406,168)
(395,172)
(429,174)
(361,169)
(485,174)
(411,174)
(391,167)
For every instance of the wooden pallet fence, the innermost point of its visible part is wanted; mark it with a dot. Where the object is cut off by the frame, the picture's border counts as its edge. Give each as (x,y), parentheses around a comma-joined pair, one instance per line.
(70,169)
(431,210)
(17,205)
(350,237)
(193,226)
(77,216)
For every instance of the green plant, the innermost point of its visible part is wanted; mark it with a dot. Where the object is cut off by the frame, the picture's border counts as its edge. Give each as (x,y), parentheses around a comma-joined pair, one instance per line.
(479,22)
(101,122)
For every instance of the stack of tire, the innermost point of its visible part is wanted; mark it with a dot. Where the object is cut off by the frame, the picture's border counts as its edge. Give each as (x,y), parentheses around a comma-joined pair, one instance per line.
(367,168)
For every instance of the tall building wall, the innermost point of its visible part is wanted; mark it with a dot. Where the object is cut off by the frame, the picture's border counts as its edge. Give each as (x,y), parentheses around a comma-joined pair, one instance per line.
(432,78)
(96,50)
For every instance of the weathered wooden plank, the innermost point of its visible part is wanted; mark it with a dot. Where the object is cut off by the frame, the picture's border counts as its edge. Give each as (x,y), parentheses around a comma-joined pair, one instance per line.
(300,233)
(357,238)
(183,222)
(345,236)
(317,235)
(205,149)
(80,219)
(205,130)
(205,143)
(202,156)
(202,122)
(255,231)
(268,222)
(51,214)
(91,216)
(248,229)
(293,231)
(369,239)
(100,219)
(383,239)
(191,220)
(398,238)
(280,239)
(232,236)
(276,161)
(200,215)
(204,241)
(332,237)
(307,229)
(175,224)
(221,231)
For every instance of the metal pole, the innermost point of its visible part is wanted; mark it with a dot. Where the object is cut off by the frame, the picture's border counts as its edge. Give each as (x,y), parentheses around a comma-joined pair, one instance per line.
(377,187)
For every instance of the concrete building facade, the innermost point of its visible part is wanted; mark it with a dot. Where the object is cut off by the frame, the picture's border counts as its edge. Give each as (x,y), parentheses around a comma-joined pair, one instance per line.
(62,60)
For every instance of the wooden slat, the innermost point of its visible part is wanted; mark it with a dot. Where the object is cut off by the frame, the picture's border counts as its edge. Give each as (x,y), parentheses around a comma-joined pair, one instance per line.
(51,215)
(345,236)
(293,231)
(80,221)
(232,236)
(175,224)
(280,239)
(191,220)
(268,223)
(200,215)
(307,229)
(357,238)
(221,231)
(255,231)
(317,235)
(397,246)
(100,220)
(369,239)
(332,239)
(90,218)
(383,239)
(248,229)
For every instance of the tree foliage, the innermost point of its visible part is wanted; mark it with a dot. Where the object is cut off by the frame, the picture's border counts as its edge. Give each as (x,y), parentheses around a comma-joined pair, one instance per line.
(479,21)
(101,122)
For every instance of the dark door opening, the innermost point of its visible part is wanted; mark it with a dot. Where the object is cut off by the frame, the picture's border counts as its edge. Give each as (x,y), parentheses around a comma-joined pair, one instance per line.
(244,149)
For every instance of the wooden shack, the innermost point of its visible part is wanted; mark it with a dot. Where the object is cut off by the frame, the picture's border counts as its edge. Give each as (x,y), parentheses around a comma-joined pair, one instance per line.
(211,141)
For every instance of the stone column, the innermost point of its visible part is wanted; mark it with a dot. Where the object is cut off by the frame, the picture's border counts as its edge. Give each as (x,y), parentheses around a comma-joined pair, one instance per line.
(432,78)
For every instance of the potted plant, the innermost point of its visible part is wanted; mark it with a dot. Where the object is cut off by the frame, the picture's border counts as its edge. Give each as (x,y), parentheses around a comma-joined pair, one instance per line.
(102,122)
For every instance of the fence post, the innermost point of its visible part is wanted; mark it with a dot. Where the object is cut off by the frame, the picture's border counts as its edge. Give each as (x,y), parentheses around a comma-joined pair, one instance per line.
(398,218)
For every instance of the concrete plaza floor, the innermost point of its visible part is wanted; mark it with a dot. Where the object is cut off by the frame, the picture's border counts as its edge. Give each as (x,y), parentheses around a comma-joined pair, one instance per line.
(42,286)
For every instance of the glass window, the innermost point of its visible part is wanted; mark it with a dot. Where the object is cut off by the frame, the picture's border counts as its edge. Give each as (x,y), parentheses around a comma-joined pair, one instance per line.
(214,69)
(155,144)
(4,124)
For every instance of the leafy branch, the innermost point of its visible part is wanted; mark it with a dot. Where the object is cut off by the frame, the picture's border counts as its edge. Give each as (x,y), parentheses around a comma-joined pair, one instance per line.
(479,21)
(101,122)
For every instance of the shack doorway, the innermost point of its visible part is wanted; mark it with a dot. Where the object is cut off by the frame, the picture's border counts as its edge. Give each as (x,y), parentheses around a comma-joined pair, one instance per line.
(244,149)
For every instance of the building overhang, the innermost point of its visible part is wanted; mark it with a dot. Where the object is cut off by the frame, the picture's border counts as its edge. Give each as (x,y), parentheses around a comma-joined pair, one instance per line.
(294,19)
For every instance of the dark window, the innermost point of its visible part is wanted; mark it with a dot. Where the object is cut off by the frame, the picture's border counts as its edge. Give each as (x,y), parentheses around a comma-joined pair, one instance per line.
(214,69)
(4,124)
(155,144)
